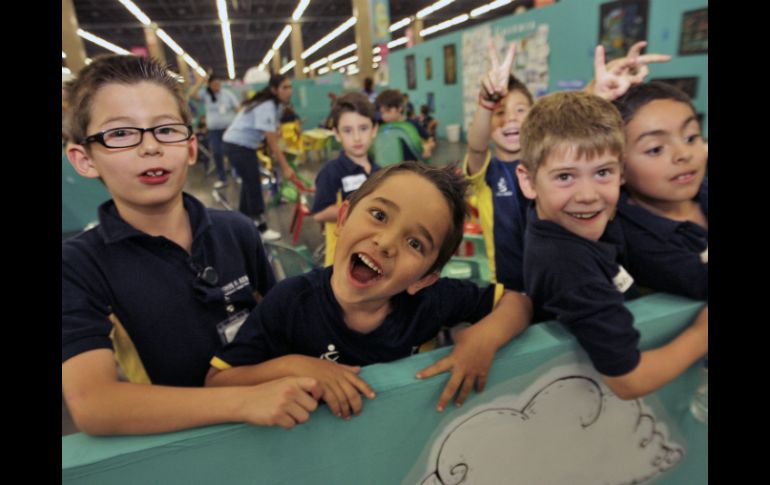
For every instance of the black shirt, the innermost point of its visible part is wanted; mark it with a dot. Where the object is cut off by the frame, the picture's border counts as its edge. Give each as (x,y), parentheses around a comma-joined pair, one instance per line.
(301,316)
(580,282)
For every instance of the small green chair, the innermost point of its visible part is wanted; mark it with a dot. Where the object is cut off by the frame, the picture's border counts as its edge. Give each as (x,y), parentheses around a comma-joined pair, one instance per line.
(288,260)
(387,147)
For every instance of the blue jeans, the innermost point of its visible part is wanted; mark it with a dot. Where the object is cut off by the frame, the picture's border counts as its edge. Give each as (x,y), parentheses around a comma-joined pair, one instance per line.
(246,163)
(215,144)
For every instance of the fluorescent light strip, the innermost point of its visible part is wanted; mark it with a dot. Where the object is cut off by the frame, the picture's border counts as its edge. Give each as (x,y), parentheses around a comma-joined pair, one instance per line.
(397,42)
(288,67)
(306,70)
(268,56)
(143,18)
(300,10)
(329,37)
(345,62)
(224,18)
(63,55)
(101,42)
(444,25)
(376,50)
(342,52)
(376,58)
(137,13)
(169,41)
(319,63)
(65,70)
(429,10)
(323,71)
(401,23)
(282,37)
(490,6)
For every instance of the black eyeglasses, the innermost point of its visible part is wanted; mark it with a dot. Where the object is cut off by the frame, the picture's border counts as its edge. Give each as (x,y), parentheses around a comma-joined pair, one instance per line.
(129,136)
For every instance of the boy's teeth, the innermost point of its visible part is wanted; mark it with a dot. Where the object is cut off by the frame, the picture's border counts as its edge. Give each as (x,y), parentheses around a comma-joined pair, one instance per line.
(369,263)
(154,173)
(584,216)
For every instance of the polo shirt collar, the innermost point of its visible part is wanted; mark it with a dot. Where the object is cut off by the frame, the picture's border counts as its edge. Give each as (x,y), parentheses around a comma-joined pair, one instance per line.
(351,166)
(657,224)
(114,229)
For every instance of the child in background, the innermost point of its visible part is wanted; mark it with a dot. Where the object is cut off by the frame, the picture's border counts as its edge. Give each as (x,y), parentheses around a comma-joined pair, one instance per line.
(162,282)
(381,300)
(428,122)
(572,144)
(354,127)
(664,208)
(503,104)
(390,104)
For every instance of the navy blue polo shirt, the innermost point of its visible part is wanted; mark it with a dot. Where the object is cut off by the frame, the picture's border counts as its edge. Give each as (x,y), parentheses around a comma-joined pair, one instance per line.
(301,316)
(116,277)
(580,283)
(503,216)
(664,254)
(339,176)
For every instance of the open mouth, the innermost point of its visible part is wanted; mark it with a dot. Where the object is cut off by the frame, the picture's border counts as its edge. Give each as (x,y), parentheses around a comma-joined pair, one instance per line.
(363,270)
(511,132)
(684,178)
(158,172)
(154,176)
(584,216)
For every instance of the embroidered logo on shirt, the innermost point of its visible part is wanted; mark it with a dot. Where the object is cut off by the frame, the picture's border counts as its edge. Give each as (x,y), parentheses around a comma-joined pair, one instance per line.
(235,285)
(622,280)
(502,188)
(332,354)
(704,256)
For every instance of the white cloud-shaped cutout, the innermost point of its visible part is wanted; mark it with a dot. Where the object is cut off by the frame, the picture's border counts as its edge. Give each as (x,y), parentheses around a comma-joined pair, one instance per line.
(571,430)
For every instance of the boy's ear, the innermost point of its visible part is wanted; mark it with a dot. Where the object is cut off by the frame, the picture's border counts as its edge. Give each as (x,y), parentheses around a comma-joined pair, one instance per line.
(423,282)
(526,182)
(374,129)
(81,161)
(193,150)
(336,134)
(342,216)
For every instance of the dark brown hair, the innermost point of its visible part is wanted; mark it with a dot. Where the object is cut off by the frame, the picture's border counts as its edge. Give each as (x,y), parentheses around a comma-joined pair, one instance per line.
(116,69)
(352,103)
(390,98)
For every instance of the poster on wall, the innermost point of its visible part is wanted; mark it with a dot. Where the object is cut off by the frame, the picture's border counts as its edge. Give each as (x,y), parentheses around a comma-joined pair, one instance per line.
(428,69)
(694,38)
(450,64)
(411,74)
(622,24)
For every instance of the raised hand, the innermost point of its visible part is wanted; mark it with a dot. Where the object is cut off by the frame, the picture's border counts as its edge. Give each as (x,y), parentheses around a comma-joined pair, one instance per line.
(613,79)
(494,85)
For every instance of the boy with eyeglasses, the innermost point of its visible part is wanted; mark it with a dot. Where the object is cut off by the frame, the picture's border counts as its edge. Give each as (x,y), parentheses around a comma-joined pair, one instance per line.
(163,281)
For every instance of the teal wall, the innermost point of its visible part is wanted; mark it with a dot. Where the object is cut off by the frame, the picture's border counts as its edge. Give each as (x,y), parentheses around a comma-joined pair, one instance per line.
(80,198)
(573,35)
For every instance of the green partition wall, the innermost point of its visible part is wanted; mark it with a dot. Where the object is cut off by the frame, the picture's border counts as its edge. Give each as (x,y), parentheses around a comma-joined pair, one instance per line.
(545,417)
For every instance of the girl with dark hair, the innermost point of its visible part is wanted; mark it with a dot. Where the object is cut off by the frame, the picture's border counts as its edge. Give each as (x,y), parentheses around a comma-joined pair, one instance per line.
(221,107)
(258,121)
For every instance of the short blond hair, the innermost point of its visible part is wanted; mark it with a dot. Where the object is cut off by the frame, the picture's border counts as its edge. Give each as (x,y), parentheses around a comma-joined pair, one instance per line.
(573,119)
